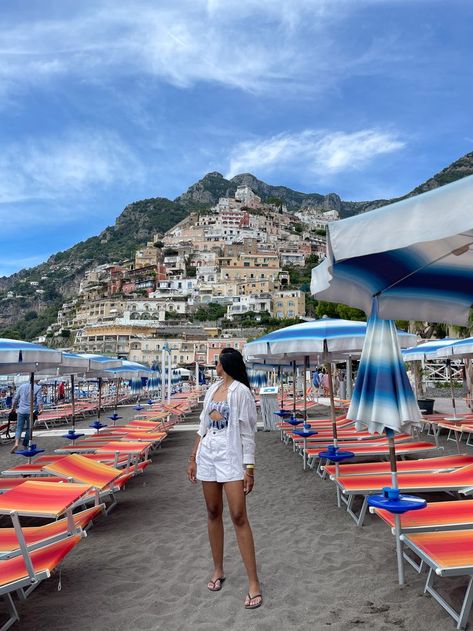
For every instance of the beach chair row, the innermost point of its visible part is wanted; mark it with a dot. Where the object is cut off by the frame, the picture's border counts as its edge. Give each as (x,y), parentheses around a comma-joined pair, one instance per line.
(71,486)
(440,536)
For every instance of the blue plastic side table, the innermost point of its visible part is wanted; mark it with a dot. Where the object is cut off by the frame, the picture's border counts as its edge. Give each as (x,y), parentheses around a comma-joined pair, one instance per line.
(398,504)
(31,451)
(72,435)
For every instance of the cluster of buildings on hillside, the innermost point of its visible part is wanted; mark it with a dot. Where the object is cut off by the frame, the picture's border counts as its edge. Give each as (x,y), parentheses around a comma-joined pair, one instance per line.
(237,256)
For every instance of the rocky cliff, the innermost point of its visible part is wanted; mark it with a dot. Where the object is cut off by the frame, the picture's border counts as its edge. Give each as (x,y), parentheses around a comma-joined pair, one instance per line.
(29,311)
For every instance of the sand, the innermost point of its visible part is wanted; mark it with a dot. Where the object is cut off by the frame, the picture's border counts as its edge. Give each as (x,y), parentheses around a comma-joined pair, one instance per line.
(146,565)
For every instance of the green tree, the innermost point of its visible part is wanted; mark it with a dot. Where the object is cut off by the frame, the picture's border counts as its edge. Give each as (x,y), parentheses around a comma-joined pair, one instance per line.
(212,311)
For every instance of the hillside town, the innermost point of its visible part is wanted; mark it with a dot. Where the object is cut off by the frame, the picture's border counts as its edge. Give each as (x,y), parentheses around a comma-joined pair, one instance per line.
(213,280)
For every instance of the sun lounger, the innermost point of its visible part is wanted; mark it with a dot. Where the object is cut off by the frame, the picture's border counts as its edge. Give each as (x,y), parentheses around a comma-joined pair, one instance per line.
(103,478)
(39,536)
(375,451)
(20,573)
(438,463)
(7,484)
(458,480)
(36,467)
(447,553)
(450,515)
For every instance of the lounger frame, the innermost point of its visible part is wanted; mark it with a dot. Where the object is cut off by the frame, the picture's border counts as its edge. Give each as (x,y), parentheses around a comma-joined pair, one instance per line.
(460,617)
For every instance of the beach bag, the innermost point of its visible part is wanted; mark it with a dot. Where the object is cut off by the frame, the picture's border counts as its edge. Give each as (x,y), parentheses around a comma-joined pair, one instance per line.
(12,418)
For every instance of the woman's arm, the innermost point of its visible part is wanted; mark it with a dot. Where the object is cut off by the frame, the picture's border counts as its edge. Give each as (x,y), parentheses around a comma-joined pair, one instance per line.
(191,463)
(247,419)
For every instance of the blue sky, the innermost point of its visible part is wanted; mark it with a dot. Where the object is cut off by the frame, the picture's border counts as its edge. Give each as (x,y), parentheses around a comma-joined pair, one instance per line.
(105,102)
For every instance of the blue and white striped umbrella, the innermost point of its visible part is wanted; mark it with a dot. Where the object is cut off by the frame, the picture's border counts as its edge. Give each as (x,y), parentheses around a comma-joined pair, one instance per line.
(322,339)
(457,348)
(136,385)
(382,397)
(432,349)
(18,356)
(257,378)
(416,255)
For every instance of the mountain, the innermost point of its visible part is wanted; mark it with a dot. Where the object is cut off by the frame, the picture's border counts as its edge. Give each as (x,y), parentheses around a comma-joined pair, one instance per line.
(212,186)
(30,311)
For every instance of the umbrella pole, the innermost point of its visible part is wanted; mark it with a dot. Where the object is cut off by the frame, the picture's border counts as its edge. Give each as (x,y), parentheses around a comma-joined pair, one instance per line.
(306,368)
(117,393)
(294,388)
(452,389)
(73,405)
(397,517)
(349,377)
(328,368)
(100,398)
(169,376)
(30,436)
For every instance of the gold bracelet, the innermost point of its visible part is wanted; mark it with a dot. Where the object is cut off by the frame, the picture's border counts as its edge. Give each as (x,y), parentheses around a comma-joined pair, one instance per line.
(250,466)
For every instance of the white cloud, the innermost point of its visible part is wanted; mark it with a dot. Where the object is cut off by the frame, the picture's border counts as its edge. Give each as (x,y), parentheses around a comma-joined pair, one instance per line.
(320,152)
(60,168)
(252,45)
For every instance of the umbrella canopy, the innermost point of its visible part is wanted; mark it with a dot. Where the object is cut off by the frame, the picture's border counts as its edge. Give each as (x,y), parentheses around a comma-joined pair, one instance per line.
(415,255)
(129,370)
(457,348)
(428,350)
(18,356)
(383,397)
(72,364)
(324,339)
(98,363)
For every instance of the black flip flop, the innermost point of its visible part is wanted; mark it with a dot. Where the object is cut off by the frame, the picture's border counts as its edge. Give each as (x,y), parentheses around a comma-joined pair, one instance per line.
(214,583)
(256,605)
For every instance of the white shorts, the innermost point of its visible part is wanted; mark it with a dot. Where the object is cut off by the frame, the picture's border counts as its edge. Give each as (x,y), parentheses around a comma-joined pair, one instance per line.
(213,462)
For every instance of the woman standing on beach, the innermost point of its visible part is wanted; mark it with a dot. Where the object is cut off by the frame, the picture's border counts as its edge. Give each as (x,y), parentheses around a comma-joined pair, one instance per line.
(223,459)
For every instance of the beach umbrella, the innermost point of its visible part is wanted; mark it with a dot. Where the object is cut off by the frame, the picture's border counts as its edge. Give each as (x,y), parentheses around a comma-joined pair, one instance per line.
(408,260)
(128,370)
(98,365)
(17,356)
(383,400)
(434,349)
(73,364)
(415,255)
(457,349)
(324,341)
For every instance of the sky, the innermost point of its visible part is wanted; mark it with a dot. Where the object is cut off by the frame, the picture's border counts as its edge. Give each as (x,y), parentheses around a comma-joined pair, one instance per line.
(105,102)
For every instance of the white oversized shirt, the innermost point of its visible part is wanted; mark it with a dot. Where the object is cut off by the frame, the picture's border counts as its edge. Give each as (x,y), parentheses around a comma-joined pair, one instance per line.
(240,432)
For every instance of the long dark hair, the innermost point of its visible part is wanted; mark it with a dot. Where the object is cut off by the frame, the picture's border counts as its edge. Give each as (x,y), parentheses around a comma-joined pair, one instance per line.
(233,364)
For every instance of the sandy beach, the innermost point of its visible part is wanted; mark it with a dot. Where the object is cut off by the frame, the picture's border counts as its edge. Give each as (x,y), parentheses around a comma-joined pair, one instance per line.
(146,565)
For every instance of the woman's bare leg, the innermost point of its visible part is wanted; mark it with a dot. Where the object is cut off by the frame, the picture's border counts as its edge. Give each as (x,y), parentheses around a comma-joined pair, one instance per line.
(237,506)
(214,503)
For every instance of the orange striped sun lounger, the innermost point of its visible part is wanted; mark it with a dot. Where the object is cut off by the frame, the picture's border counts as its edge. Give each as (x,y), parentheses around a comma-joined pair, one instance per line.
(438,463)
(35,498)
(39,536)
(105,479)
(458,480)
(447,553)
(450,515)
(84,471)
(374,451)
(8,484)
(37,467)
(25,573)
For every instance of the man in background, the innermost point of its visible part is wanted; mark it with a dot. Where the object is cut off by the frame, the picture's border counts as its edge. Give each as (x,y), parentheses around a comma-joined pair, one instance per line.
(21,403)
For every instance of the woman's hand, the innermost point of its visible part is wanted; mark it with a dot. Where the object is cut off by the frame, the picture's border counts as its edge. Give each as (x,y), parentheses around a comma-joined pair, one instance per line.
(248,481)
(192,471)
